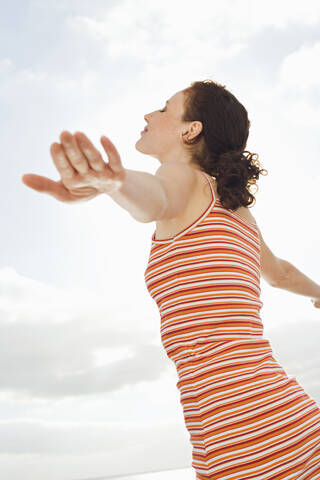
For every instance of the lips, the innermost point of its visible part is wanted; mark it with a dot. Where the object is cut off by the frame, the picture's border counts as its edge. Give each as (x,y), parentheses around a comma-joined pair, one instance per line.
(145,130)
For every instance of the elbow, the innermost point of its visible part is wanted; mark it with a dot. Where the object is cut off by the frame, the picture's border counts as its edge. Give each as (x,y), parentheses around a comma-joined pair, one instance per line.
(282,279)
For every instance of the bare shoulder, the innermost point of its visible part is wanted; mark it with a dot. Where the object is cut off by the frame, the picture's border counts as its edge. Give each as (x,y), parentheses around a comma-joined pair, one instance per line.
(248,215)
(272,267)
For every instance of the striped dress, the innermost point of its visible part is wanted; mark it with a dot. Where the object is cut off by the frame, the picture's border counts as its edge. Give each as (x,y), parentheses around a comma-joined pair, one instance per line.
(246,417)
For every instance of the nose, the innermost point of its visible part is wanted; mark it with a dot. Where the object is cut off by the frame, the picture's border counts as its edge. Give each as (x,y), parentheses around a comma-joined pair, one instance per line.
(146,118)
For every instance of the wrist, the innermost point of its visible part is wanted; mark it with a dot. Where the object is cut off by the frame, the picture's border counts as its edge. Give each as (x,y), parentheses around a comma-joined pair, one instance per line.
(111,186)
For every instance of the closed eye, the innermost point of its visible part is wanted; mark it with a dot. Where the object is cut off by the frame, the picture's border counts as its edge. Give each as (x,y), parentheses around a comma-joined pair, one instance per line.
(163,110)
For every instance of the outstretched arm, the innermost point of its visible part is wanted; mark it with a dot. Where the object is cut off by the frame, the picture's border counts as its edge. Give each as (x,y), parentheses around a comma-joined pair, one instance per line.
(84,175)
(297,282)
(141,194)
(162,196)
(280,273)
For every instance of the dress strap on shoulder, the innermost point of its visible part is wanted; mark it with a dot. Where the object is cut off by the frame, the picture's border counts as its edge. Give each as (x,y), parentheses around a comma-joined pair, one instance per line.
(206,175)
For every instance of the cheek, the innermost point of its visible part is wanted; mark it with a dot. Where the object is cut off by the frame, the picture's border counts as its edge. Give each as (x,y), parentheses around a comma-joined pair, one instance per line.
(169,127)
(168,133)
(165,128)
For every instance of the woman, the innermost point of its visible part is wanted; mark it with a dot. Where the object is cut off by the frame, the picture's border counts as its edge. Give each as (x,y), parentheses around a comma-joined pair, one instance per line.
(246,417)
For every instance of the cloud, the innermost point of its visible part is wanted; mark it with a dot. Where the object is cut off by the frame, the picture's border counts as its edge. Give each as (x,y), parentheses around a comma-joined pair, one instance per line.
(219,26)
(300,70)
(51,342)
(53,438)
(87,450)
(285,13)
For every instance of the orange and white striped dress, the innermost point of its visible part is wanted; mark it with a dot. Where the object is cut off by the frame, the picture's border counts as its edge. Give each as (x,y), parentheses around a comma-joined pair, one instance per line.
(247,418)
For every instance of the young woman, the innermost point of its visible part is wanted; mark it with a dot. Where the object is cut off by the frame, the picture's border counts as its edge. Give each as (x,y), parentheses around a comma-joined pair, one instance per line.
(247,418)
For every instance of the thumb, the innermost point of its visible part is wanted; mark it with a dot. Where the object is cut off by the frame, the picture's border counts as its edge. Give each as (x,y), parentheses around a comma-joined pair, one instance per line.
(37,182)
(46,185)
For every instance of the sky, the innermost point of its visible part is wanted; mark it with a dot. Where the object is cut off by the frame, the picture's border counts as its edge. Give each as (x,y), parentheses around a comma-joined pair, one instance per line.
(86,389)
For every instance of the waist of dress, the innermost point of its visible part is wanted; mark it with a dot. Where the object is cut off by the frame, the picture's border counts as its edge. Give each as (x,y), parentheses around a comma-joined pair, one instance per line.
(216,345)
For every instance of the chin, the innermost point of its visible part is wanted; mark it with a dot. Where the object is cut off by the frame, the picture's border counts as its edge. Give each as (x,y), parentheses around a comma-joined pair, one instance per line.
(139,147)
(143,148)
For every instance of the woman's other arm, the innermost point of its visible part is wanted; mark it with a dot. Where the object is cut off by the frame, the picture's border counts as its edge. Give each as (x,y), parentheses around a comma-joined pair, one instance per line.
(297,282)
(282,274)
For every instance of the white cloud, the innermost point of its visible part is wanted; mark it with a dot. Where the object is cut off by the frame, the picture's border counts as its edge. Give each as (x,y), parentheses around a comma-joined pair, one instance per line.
(48,348)
(284,13)
(300,70)
(219,26)
(90,450)
(73,438)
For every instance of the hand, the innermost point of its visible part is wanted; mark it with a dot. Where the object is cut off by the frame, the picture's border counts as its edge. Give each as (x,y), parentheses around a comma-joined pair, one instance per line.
(84,174)
(316,302)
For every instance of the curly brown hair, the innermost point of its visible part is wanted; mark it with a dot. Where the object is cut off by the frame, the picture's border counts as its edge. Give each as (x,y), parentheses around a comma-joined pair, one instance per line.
(219,148)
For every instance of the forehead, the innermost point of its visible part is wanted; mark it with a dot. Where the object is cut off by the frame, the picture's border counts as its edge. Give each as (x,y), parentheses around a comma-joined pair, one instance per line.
(176,99)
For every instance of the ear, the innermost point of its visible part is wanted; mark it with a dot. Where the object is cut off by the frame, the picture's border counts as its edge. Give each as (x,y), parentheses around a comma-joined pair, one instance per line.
(179,181)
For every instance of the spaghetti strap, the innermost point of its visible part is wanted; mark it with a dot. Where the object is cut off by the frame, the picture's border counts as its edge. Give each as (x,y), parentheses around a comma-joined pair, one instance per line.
(206,175)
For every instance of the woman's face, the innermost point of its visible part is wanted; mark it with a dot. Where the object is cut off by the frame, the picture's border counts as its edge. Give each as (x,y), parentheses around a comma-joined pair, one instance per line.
(163,138)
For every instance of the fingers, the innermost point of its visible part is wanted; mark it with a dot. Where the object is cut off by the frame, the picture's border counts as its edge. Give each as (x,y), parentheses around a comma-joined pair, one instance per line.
(61,162)
(93,155)
(73,155)
(113,155)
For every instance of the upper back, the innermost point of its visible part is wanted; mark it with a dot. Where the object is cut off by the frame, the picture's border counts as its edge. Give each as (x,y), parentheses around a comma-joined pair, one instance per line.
(272,267)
